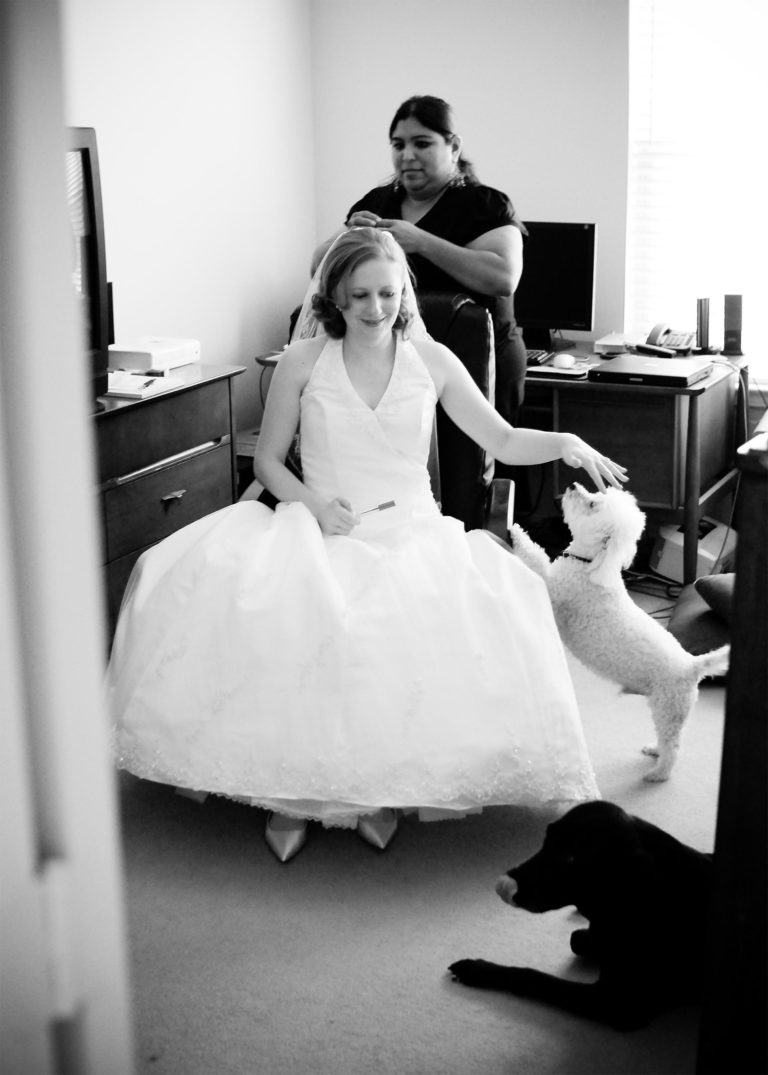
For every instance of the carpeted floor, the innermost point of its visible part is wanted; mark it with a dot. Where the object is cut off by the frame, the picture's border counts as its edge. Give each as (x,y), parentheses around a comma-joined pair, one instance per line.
(335,963)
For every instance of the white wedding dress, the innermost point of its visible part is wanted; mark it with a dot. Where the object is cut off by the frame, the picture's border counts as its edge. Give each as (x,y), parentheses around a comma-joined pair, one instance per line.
(410,664)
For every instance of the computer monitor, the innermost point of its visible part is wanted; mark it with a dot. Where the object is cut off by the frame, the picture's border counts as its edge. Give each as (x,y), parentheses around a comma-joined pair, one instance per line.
(89,259)
(557,288)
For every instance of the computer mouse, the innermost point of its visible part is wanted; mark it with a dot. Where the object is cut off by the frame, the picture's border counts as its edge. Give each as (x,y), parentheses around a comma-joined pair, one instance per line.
(563,362)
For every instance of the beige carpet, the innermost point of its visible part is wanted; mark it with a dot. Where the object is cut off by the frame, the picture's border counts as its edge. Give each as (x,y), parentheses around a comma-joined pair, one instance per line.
(335,964)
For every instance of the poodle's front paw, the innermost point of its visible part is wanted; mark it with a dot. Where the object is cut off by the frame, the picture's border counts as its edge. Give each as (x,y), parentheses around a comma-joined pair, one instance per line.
(516,535)
(651,750)
(526,549)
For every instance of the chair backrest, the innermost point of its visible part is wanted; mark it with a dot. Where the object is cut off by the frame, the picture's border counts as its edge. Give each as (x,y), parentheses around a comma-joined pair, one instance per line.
(465,470)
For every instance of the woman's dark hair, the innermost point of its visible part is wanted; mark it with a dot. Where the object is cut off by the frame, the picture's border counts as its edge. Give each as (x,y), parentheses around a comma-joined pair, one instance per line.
(435,114)
(349,251)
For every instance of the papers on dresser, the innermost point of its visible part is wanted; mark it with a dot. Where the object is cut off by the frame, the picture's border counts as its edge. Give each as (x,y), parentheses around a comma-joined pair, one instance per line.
(132,385)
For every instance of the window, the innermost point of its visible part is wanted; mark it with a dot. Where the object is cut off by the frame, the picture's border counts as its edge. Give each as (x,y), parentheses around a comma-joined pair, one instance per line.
(696,220)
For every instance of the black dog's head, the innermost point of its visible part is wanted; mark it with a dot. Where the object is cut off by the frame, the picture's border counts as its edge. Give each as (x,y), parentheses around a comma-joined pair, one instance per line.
(585,853)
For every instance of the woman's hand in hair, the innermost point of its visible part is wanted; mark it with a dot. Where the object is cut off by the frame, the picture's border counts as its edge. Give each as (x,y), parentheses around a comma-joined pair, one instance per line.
(363,219)
(407,235)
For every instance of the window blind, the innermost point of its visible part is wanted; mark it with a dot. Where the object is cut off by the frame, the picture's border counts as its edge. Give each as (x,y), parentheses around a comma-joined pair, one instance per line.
(698,93)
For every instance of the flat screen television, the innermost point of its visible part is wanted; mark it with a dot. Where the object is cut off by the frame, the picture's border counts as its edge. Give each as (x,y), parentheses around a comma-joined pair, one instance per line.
(89,257)
(557,287)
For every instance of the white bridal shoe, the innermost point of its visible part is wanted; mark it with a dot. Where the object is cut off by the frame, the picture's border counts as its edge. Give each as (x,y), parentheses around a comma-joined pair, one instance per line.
(379,828)
(285,836)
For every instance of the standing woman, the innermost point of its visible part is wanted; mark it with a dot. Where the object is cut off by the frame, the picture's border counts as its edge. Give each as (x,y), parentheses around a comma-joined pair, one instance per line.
(459,235)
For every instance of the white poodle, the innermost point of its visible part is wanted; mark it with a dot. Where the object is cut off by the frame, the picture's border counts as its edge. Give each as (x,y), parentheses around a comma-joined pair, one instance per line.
(602,625)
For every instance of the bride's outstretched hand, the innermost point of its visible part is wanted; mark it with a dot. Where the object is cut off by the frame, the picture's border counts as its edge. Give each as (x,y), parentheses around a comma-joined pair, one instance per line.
(601,469)
(337,517)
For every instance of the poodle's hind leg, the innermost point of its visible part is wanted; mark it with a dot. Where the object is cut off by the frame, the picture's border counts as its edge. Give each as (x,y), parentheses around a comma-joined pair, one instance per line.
(668,711)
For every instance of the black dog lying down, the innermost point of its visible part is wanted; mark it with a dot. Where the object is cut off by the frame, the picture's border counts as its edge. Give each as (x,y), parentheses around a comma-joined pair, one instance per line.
(646,898)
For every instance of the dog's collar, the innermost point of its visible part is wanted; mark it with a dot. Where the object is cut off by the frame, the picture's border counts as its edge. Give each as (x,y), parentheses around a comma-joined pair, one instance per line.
(573,556)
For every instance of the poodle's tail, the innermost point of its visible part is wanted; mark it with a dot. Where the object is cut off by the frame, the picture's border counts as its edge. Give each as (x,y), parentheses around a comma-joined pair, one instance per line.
(714,663)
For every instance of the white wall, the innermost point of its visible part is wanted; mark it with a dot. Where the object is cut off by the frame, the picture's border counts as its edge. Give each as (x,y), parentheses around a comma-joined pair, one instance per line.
(234,135)
(203,116)
(540,94)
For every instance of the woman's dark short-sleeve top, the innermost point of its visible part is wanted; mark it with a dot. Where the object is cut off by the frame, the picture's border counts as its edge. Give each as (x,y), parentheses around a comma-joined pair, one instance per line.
(460,215)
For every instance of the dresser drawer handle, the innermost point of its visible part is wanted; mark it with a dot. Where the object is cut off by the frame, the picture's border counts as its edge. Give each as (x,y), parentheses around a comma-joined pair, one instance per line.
(170,498)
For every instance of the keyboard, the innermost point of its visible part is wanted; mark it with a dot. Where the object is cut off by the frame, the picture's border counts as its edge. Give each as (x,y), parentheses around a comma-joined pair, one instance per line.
(536,357)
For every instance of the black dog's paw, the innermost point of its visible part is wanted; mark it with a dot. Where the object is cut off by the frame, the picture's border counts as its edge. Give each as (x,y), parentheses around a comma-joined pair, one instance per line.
(481,974)
(463,970)
(470,971)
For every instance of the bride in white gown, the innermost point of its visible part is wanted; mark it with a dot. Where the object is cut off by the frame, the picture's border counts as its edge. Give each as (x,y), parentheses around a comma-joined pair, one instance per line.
(333,662)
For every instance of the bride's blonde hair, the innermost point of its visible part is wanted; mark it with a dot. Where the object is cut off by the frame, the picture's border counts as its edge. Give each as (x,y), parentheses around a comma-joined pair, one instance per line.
(349,252)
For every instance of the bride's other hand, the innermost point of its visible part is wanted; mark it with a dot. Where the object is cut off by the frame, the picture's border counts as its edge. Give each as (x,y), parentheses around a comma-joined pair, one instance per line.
(337,517)
(601,469)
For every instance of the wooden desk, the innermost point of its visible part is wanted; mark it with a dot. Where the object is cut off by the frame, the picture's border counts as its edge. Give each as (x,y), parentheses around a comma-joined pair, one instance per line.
(678,444)
(162,462)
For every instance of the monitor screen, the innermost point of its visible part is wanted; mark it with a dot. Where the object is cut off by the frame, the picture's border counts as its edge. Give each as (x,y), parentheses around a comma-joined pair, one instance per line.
(84,267)
(88,253)
(557,288)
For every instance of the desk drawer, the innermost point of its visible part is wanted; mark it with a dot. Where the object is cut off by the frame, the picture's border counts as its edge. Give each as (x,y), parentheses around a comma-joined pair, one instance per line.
(151,506)
(152,429)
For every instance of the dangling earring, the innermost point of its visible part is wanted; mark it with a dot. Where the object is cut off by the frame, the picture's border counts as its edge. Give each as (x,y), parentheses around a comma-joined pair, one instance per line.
(397,186)
(458,178)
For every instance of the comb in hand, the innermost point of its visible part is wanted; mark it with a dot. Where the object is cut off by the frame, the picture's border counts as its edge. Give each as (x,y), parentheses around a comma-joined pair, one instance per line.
(379,507)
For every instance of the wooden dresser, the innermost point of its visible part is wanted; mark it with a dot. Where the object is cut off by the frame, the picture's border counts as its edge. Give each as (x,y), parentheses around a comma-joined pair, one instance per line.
(162,463)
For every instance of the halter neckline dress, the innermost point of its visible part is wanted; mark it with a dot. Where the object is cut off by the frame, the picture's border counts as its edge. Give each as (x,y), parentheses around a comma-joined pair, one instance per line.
(408,665)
